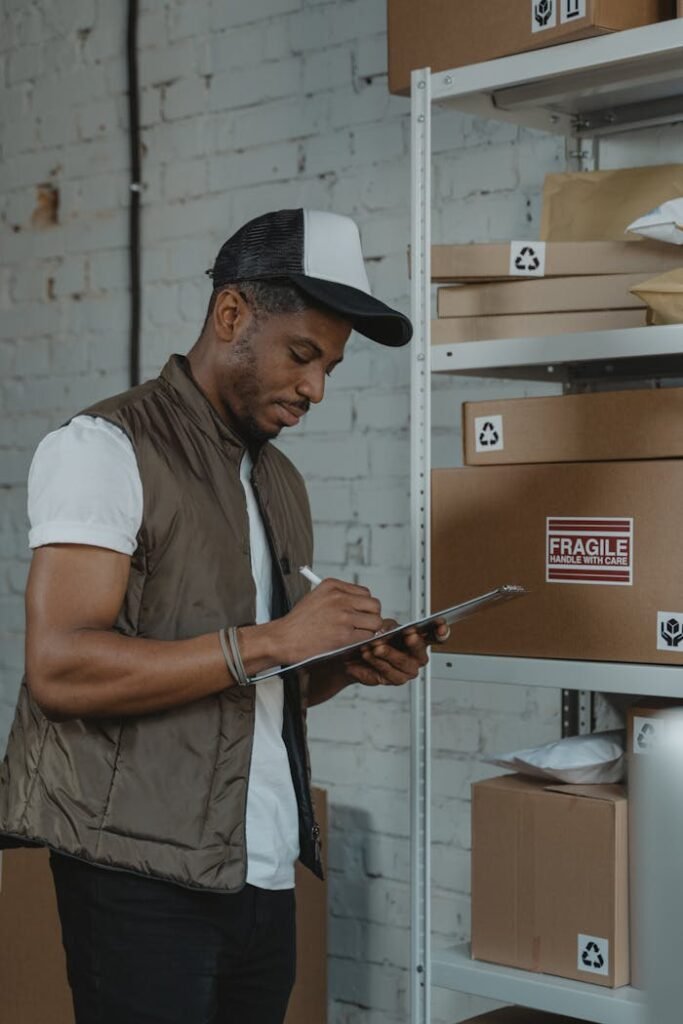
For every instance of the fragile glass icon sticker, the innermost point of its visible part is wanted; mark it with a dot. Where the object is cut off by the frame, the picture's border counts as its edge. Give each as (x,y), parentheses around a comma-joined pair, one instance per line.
(670,631)
(543,14)
(572,10)
(593,955)
(488,432)
(527,259)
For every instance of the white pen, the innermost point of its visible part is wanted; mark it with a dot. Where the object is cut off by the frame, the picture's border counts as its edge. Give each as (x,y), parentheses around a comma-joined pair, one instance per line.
(306,571)
(315,581)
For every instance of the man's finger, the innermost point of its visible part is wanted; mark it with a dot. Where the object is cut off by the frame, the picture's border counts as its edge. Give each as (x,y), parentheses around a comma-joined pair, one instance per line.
(397,666)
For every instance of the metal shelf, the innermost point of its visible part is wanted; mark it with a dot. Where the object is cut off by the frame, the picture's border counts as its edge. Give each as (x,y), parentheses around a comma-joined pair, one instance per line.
(593,87)
(610,83)
(618,355)
(603,676)
(454,969)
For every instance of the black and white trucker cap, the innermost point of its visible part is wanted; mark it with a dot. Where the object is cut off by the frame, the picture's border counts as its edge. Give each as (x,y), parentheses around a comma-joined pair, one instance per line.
(320,252)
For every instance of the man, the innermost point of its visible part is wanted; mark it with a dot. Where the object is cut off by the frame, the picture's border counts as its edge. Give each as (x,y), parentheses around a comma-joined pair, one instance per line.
(167,534)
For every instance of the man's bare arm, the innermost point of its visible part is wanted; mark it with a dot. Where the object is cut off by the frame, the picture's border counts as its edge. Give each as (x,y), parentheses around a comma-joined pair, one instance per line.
(78,666)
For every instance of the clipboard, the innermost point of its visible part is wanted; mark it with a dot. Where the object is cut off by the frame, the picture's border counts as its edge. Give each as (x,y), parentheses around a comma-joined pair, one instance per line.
(426,627)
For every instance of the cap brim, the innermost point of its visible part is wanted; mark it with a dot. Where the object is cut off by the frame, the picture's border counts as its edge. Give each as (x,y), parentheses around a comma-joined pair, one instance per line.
(369,316)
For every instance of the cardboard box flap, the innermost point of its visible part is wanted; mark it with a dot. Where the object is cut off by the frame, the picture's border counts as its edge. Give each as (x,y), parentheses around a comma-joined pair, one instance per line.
(514,782)
(615,794)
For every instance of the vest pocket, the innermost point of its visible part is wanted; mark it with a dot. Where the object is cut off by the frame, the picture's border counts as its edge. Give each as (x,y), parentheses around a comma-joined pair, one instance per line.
(163,775)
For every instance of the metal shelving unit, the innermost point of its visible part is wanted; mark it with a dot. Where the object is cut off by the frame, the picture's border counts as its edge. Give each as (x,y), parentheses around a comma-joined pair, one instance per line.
(454,969)
(584,89)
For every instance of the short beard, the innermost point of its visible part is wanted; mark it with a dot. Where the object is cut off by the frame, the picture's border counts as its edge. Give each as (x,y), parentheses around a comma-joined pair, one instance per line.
(247,381)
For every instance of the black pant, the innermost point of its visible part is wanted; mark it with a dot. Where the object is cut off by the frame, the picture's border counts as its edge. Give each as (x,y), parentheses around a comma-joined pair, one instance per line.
(141,951)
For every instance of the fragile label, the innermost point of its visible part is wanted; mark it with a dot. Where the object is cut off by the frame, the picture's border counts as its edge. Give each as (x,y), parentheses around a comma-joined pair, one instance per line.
(488,432)
(527,259)
(582,549)
(543,14)
(670,631)
(593,955)
(572,10)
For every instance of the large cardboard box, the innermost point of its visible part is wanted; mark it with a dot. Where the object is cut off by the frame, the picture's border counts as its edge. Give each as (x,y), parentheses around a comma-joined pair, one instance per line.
(33,985)
(545,295)
(456,330)
(441,34)
(524,259)
(595,543)
(599,427)
(550,878)
(521,1015)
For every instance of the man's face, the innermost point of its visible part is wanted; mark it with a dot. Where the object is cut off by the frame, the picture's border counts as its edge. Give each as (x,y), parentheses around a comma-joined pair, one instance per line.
(278,367)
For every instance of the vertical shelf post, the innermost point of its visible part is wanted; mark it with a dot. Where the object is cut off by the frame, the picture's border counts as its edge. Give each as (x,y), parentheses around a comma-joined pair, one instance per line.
(420,462)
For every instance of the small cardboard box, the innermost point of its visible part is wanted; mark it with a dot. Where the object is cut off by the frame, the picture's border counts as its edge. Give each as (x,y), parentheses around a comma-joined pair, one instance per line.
(599,427)
(521,1015)
(550,878)
(441,34)
(525,259)
(595,544)
(545,295)
(456,330)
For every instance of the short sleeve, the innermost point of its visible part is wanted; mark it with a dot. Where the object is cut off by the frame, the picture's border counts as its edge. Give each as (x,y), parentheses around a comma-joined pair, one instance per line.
(84,487)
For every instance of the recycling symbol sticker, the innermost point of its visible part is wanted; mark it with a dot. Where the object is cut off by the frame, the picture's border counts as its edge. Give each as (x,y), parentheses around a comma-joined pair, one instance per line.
(527,259)
(670,631)
(543,14)
(593,954)
(645,734)
(489,433)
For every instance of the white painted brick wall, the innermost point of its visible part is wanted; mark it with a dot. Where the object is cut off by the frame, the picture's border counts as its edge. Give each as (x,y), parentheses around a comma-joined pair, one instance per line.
(246,107)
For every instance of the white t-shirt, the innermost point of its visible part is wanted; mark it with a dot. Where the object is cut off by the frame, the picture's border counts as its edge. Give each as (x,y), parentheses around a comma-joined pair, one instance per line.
(84,487)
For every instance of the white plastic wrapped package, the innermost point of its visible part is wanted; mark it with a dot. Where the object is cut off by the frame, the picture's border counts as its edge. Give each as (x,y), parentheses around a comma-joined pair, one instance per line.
(664,223)
(577,760)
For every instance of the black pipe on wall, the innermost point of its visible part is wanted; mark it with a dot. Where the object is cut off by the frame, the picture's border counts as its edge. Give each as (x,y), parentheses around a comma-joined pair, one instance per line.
(135,189)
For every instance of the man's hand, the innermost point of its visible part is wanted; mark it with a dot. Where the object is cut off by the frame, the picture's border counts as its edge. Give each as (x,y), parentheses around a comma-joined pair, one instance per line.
(381,664)
(332,615)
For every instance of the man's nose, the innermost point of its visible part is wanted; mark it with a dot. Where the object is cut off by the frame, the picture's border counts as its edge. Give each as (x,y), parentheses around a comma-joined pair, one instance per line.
(312,386)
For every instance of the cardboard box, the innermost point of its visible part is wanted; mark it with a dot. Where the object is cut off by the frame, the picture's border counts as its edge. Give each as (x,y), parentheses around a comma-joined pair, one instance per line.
(599,205)
(456,330)
(524,259)
(599,427)
(308,1001)
(521,1015)
(550,878)
(593,542)
(33,984)
(545,295)
(441,34)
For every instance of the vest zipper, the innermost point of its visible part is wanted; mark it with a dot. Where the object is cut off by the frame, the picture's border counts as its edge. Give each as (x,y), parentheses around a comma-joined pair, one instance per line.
(306,795)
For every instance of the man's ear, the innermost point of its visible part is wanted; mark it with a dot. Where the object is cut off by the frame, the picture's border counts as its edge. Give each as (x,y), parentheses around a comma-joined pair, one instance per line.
(230,314)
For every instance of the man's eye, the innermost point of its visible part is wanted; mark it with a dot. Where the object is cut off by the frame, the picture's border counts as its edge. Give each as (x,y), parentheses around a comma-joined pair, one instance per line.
(297,357)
